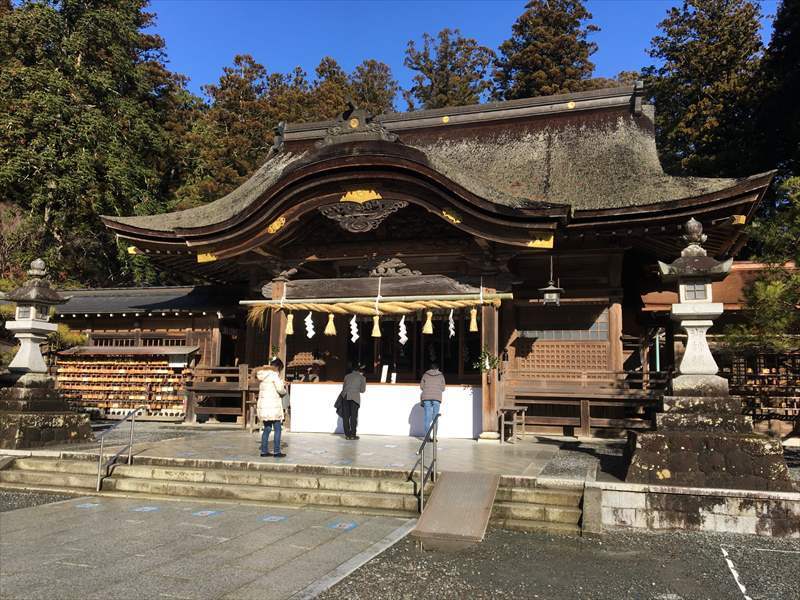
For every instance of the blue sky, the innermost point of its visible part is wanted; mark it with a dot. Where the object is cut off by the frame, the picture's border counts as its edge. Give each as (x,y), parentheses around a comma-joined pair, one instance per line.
(202,36)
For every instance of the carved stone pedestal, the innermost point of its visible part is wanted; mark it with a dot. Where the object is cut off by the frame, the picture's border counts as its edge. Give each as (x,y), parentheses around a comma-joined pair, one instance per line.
(33,415)
(705,441)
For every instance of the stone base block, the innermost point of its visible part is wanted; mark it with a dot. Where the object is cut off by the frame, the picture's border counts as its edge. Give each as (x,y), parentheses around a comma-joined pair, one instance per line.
(699,385)
(703,404)
(33,416)
(36,429)
(704,422)
(744,461)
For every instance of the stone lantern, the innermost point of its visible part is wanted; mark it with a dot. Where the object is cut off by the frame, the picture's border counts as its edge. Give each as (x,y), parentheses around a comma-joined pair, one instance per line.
(32,325)
(32,412)
(694,272)
(702,439)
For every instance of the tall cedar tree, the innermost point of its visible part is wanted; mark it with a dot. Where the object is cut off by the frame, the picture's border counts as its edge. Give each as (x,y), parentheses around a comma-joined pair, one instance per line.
(779,112)
(85,100)
(548,52)
(231,137)
(773,300)
(451,71)
(373,86)
(704,90)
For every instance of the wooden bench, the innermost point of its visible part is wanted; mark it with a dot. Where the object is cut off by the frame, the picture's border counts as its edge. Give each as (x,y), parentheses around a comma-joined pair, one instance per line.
(641,391)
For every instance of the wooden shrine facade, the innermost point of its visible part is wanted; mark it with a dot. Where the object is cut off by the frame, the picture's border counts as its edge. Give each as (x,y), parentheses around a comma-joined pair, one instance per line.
(144,344)
(497,197)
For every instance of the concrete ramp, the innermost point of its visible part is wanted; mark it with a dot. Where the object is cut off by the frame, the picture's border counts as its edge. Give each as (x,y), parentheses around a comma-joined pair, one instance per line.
(458,511)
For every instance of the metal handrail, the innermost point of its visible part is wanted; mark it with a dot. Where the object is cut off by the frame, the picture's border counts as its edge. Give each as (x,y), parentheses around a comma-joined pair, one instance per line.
(129,446)
(430,436)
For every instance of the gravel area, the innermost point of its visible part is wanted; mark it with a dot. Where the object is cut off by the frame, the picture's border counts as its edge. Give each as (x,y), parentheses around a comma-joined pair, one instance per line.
(507,564)
(574,460)
(13,499)
(793,460)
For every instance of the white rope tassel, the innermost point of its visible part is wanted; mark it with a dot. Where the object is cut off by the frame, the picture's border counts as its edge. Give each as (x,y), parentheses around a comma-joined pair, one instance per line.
(403,337)
(353,330)
(451,323)
(309,326)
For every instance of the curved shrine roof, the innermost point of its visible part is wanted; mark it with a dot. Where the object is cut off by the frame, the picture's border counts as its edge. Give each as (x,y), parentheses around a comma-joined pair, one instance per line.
(586,152)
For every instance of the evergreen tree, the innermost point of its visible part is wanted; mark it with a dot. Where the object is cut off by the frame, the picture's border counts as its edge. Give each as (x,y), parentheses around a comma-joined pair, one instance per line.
(229,137)
(548,52)
(373,87)
(779,109)
(773,300)
(451,71)
(84,101)
(331,90)
(704,89)
(623,78)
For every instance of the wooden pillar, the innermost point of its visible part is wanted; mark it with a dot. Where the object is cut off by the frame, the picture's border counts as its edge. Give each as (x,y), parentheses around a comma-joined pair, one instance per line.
(489,380)
(277,325)
(216,343)
(615,336)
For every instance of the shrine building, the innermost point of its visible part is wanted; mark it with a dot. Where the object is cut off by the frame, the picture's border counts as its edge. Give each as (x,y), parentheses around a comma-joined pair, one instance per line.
(512,243)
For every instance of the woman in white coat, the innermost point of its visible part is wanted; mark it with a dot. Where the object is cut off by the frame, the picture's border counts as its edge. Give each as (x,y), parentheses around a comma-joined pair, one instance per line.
(270,405)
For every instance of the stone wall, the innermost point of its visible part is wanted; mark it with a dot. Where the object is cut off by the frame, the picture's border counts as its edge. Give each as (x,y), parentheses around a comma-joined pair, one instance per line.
(610,506)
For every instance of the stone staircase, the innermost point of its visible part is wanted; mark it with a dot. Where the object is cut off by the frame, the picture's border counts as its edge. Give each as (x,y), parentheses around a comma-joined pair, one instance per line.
(526,504)
(521,503)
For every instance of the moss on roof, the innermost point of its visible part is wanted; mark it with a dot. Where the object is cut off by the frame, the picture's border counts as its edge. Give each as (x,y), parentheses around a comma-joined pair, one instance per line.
(612,165)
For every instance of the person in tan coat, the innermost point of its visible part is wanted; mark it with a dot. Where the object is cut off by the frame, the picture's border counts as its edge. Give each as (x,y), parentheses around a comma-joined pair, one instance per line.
(271,389)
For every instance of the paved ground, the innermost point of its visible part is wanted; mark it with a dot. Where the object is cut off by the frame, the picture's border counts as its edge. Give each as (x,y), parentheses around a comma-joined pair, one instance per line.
(107,548)
(548,456)
(542,455)
(641,566)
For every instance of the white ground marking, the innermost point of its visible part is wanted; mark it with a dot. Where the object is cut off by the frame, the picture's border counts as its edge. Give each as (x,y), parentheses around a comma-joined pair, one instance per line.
(200,525)
(735,573)
(781,551)
(347,567)
(210,537)
(72,564)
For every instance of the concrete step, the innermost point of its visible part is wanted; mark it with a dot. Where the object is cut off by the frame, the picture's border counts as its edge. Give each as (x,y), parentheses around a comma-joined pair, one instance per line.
(50,465)
(265,479)
(536,526)
(566,498)
(398,504)
(23,478)
(536,512)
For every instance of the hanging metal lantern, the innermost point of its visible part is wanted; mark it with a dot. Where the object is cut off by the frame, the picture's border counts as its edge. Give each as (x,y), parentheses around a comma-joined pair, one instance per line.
(551,295)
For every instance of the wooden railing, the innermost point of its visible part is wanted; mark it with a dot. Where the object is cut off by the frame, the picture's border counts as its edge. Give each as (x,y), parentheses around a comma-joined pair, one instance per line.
(597,381)
(628,398)
(206,385)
